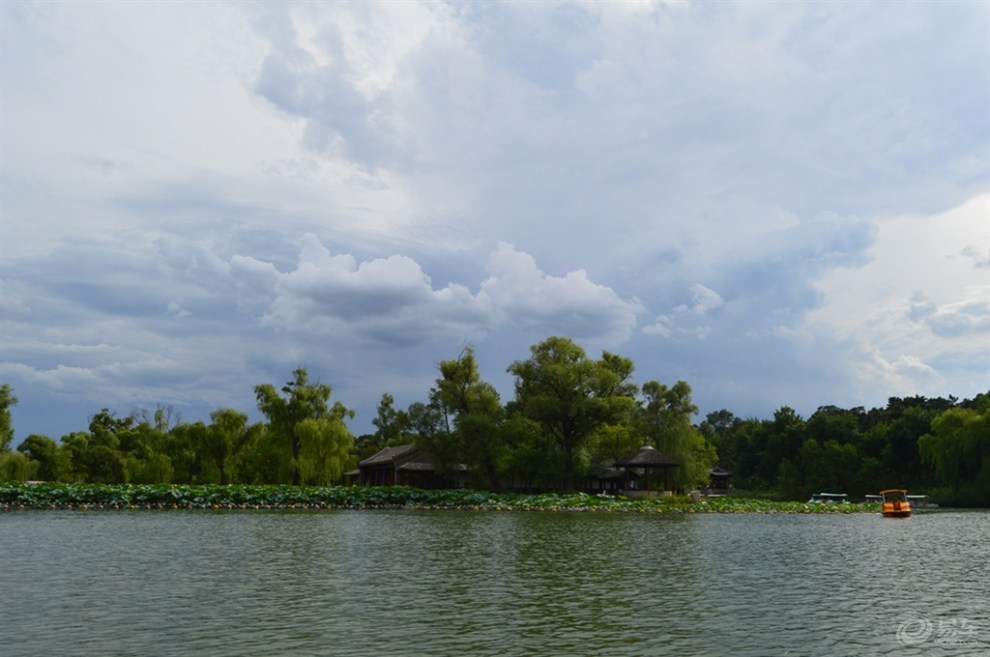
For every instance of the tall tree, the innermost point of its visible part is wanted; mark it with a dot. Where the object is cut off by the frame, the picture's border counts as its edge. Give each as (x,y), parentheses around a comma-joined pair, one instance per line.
(325,450)
(300,401)
(477,414)
(224,438)
(720,428)
(7,399)
(145,458)
(571,395)
(101,453)
(391,428)
(666,422)
(184,447)
(958,448)
(53,463)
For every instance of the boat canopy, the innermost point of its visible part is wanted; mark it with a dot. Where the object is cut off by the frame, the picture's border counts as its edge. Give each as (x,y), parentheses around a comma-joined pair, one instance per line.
(828,497)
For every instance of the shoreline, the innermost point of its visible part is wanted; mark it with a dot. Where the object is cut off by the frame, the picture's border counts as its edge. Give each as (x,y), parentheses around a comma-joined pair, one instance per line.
(146,497)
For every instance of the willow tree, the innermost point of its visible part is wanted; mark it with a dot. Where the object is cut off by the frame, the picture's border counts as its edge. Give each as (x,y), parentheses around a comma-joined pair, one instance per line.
(7,399)
(14,466)
(299,418)
(223,440)
(325,447)
(958,448)
(665,420)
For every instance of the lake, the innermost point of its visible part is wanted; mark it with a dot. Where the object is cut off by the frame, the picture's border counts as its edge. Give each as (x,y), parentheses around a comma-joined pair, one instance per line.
(486,583)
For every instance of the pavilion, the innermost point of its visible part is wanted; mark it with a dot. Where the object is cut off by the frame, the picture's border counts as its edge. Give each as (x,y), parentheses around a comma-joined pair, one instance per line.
(647,460)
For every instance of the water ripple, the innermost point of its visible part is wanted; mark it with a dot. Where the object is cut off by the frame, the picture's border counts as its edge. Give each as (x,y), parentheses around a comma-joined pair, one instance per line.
(463,583)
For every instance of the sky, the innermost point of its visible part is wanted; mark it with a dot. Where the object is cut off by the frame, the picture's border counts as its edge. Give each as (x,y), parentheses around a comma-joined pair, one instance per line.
(783,204)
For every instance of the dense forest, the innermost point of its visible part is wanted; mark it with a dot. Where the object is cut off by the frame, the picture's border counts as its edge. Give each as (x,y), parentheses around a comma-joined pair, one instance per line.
(571,415)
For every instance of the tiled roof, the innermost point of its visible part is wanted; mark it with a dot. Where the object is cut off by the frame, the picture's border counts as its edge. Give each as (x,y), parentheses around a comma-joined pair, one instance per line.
(388,455)
(647,457)
(407,458)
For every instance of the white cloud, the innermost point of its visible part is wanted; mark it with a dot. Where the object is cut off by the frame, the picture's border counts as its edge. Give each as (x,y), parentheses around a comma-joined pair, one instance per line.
(393,299)
(916,302)
(979,256)
(196,196)
(688,320)
(572,304)
(703,299)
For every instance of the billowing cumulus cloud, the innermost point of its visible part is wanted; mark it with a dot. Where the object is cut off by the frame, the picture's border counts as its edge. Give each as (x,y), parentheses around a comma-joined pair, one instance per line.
(570,304)
(781,204)
(394,300)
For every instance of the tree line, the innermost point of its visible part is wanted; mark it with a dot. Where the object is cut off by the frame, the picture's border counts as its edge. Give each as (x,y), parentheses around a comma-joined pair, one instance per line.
(570,417)
(938,445)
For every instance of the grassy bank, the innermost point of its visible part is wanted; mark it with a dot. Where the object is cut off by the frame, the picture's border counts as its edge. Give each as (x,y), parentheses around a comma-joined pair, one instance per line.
(16,496)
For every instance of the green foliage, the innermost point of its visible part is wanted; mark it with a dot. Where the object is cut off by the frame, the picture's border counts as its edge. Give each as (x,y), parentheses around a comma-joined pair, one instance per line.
(15,466)
(613,442)
(300,401)
(391,427)
(856,451)
(476,438)
(570,417)
(958,448)
(184,448)
(665,421)
(53,463)
(224,438)
(7,399)
(165,497)
(325,450)
(572,396)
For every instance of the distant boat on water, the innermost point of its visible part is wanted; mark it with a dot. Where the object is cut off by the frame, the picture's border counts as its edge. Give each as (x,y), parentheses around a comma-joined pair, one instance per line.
(895,503)
(832,498)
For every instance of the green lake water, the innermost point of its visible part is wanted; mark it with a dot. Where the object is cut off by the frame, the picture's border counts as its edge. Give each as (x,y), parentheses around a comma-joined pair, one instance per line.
(468,583)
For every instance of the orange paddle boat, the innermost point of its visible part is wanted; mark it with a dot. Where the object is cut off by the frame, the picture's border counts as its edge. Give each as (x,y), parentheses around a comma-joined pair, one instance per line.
(895,503)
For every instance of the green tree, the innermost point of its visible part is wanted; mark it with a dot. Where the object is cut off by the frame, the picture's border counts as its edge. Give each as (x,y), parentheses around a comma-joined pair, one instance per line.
(665,421)
(261,460)
(829,467)
(613,442)
(430,428)
(390,424)
(477,413)
(833,423)
(184,448)
(143,448)
(97,456)
(75,446)
(777,440)
(15,466)
(901,460)
(958,448)
(104,465)
(721,429)
(224,439)
(7,399)
(571,396)
(53,463)
(300,401)
(391,428)
(325,448)
(531,463)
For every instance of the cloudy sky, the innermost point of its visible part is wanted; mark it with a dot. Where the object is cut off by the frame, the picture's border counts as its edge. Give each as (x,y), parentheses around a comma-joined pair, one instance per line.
(780,203)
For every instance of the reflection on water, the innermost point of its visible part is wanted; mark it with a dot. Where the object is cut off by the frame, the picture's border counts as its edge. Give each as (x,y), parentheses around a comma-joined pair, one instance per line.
(464,583)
